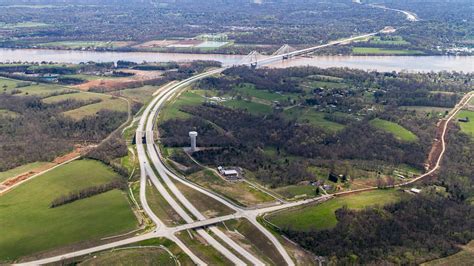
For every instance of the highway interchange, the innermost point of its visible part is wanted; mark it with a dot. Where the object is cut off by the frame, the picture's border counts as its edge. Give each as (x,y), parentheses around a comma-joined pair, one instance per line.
(152,168)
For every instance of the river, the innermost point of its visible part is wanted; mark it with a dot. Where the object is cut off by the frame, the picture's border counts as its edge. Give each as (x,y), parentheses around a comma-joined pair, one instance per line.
(379,63)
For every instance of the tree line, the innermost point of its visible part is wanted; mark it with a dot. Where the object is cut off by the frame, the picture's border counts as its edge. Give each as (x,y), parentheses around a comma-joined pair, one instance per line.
(88,192)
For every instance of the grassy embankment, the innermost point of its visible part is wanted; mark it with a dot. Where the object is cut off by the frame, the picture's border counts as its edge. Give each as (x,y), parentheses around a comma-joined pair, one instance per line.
(243,232)
(383,51)
(202,249)
(322,216)
(35,227)
(395,129)
(462,258)
(154,251)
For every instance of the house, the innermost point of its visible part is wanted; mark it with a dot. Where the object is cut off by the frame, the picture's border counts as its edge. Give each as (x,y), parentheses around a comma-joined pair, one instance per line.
(231,173)
(228,172)
(415,190)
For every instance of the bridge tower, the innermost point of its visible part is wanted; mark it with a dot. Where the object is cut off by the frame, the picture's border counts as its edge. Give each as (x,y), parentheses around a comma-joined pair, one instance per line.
(284,50)
(251,59)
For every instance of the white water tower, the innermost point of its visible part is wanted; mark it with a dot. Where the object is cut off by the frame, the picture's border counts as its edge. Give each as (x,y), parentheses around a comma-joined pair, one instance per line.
(193,135)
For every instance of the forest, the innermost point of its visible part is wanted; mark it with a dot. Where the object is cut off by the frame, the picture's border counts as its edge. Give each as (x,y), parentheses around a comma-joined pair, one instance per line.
(40,132)
(408,232)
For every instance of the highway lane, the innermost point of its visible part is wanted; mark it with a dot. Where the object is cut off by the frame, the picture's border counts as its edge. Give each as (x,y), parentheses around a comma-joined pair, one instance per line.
(409,15)
(272,59)
(147,117)
(184,201)
(164,172)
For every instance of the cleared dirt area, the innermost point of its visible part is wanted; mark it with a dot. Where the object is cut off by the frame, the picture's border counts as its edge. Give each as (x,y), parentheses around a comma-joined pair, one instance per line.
(114,84)
(9,183)
(169,43)
(437,146)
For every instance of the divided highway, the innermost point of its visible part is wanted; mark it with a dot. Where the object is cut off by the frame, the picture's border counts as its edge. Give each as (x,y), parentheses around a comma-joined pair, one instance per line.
(153,168)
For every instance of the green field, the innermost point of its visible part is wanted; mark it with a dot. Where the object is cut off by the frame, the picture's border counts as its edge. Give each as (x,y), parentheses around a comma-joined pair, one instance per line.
(468,127)
(313,117)
(322,216)
(250,90)
(383,51)
(310,85)
(393,40)
(20,169)
(395,129)
(171,110)
(296,190)
(132,256)
(32,226)
(251,107)
(462,258)
(92,109)
(107,102)
(9,85)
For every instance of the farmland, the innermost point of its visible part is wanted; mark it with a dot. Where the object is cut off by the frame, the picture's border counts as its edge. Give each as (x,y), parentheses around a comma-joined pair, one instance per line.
(172,109)
(322,216)
(250,106)
(26,213)
(398,131)
(106,102)
(314,118)
(22,88)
